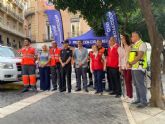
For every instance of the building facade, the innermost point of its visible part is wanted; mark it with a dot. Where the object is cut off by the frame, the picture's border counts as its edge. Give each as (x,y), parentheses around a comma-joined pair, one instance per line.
(12,22)
(37,25)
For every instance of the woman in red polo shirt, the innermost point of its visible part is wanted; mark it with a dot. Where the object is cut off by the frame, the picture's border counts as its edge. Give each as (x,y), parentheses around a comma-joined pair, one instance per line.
(97,66)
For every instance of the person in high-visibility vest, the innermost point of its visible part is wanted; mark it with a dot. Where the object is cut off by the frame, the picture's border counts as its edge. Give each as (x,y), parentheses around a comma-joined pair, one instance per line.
(138,62)
(28,66)
(54,53)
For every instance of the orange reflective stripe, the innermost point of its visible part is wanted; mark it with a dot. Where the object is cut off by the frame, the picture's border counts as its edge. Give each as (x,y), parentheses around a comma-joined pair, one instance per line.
(25,79)
(32,80)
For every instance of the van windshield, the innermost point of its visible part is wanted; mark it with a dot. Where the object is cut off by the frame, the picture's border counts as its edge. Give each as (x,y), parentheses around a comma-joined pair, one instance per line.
(8,52)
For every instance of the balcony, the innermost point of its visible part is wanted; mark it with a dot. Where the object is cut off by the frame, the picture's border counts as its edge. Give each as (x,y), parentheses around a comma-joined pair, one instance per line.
(10,12)
(19,4)
(74,34)
(11,30)
(29,11)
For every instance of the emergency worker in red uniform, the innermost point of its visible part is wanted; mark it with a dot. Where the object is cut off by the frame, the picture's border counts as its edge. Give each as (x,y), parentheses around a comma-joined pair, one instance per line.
(97,66)
(102,50)
(28,66)
(55,65)
(112,61)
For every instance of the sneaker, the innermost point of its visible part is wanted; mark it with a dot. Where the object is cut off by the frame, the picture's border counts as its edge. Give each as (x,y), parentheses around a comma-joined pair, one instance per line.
(34,89)
(78,90)
(128,100)
(101,93)
(25,89)
(69,91)
(54,89)
(90,84)
(135,102)
(96,92)
(112,93)
(118,96)
(140,105)
(86,90)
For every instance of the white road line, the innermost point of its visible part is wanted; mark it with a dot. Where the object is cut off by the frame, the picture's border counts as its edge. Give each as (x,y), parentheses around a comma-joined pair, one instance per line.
(10,109)
(128,112)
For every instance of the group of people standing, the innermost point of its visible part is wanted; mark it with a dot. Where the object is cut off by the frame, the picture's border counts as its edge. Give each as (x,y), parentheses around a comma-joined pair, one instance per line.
(128,59)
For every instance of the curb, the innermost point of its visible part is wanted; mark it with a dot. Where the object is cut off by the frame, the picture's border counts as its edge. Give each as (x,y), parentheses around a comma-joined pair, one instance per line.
(128,112)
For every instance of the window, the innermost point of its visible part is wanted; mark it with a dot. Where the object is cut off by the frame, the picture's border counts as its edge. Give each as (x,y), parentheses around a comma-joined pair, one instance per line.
(19,44)
(1,42)
(1,19)
(49,34)
(75,29)
(14,44)
(8,42)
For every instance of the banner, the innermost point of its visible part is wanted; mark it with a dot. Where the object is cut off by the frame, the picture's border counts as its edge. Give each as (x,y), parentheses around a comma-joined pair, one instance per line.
(55,22)
(89,43)
(111,26)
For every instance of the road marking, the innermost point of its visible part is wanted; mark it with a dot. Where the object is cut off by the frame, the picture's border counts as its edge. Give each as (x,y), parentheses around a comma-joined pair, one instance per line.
(128,112)
(10,109)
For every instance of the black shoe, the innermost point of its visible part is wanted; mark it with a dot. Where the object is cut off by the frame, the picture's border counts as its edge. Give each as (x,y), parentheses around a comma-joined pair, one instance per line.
(140,105)
(69,91)
(101,93)
(135,102)
(118,96)
(96,92)
(86,90)
(25,89)
(62,90)
(112,93)
(34,89)
(54,89)
(90,84)
(78,90)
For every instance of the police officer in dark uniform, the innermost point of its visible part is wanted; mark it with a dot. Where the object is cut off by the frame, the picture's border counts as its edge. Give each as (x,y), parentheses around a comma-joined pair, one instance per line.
(66,67)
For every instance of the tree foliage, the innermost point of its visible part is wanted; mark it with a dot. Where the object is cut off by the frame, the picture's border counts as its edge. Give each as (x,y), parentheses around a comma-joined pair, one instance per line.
(128,12)
(93,11)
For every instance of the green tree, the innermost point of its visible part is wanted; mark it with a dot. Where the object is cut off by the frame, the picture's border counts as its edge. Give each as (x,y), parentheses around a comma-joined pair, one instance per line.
(132,15)
(93,11)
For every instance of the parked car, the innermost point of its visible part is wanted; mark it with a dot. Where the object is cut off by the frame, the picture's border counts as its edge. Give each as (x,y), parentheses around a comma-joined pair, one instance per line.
(10,64)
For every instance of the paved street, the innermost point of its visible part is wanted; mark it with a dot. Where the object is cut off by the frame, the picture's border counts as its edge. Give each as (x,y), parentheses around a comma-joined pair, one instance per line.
(71,109)
(60,108)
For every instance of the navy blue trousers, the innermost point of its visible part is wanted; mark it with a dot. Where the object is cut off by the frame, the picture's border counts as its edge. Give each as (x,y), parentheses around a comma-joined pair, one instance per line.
(98,75)
(44,78)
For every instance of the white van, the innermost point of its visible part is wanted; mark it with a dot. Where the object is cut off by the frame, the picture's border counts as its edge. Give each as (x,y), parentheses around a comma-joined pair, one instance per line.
(10,64)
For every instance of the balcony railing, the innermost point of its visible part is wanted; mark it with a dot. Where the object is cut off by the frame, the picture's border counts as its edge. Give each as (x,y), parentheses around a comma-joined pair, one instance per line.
(19,4)
(11,30)
(74,34)
(29,11)
(10,12)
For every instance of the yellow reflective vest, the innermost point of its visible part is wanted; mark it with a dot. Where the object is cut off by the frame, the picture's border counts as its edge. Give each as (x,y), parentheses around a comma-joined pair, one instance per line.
(134,52)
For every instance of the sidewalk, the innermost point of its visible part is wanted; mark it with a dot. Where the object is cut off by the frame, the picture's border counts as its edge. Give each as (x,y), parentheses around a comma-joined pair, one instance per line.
(148,115)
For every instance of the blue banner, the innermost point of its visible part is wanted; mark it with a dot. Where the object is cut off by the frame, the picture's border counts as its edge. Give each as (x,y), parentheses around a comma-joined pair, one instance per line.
(111,26)
(55,21)
(89,43)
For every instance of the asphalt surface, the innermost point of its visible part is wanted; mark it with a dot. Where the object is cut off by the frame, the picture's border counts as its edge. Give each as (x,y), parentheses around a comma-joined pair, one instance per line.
(61,108)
